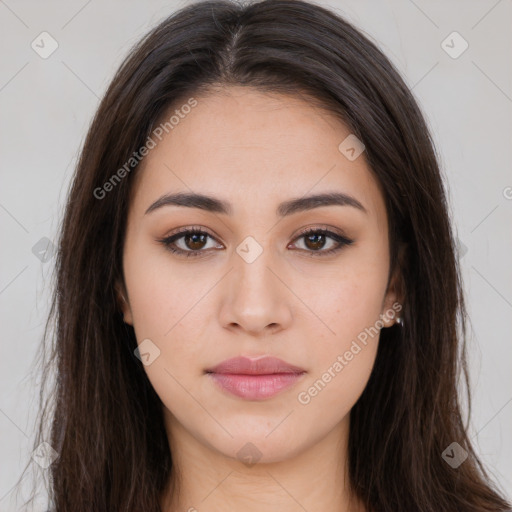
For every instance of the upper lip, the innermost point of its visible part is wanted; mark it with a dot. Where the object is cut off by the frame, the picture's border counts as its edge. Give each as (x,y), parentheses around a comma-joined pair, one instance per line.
(262,366)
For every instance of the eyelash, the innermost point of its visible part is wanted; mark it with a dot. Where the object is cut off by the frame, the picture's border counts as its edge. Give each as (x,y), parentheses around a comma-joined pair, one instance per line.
(169,240)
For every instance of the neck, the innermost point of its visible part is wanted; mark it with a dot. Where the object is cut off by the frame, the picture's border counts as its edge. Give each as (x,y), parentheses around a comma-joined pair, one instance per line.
(313,479)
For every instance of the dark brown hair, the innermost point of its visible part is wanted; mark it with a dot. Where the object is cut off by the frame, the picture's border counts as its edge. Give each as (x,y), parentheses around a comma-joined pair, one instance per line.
(105,419)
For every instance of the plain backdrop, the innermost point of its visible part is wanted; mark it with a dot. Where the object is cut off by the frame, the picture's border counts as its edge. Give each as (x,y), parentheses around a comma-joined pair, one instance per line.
(46,106)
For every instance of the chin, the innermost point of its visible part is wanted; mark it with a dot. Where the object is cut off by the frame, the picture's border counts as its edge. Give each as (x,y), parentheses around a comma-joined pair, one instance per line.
(250,449)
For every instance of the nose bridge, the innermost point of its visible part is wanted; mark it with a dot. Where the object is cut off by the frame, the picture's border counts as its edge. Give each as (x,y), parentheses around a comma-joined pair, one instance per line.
(256,297)
(252,261)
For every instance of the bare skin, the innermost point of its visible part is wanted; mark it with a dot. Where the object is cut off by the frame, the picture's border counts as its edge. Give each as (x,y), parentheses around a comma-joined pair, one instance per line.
(256,151)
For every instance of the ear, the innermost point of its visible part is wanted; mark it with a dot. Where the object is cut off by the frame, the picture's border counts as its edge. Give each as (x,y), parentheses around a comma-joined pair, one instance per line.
(392,305)
(123,303)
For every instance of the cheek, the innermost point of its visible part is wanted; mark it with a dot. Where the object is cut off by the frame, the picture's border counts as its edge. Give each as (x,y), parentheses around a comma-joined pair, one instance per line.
(160,296)
(344,354)
(174,321)
(163,311)
(331,393)
(347,303)
(345,346)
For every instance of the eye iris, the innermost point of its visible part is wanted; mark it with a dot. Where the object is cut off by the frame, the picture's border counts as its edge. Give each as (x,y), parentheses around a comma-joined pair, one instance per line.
(194,238)
(314,238)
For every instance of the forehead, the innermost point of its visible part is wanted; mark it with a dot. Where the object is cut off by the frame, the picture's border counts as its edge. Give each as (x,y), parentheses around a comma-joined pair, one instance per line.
(254,148)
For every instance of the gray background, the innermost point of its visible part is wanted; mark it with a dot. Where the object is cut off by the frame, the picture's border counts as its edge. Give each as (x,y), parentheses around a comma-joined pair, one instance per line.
(47,104)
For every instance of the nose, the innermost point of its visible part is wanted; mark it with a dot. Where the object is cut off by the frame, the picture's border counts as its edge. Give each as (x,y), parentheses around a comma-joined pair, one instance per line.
(256,299)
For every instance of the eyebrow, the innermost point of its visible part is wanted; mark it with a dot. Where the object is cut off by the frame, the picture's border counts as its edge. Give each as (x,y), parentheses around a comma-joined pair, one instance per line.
(215,205)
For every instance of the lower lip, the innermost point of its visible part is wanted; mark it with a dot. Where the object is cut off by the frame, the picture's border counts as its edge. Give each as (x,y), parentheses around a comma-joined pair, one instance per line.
(255,387)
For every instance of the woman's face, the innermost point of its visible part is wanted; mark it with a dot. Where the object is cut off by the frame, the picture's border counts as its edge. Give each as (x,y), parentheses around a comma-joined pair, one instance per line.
(251,283)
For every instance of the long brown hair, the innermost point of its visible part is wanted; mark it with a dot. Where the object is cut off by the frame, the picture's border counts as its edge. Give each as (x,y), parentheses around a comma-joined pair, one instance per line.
(104,418)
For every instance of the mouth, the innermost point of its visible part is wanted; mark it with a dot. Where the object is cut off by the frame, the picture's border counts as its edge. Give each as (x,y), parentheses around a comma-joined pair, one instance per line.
(255,379)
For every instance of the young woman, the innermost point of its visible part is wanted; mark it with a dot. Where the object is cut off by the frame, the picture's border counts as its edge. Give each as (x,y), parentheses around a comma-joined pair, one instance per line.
(258,303)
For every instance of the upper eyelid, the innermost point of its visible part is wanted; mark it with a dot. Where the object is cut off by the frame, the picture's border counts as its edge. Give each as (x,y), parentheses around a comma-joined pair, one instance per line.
(313,227)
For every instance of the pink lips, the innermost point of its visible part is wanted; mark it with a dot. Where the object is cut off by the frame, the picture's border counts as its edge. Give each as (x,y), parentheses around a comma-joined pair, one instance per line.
(255,379)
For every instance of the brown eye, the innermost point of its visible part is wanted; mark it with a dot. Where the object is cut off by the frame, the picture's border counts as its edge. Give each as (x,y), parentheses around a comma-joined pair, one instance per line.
(195,241)
(188,242)
(315,240)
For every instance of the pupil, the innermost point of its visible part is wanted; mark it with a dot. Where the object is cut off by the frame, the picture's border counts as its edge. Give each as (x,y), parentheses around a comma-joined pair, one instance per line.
(312,238)
(194,238)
